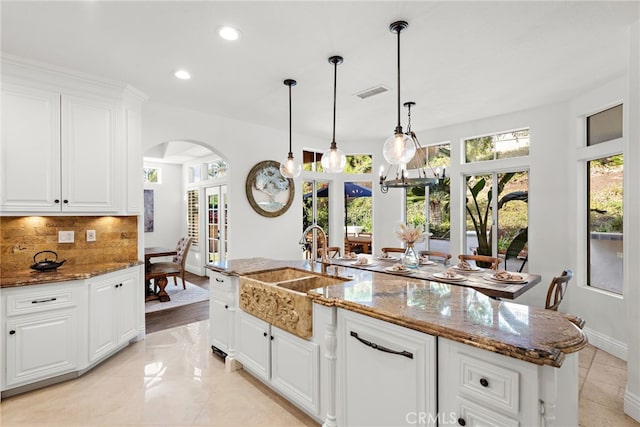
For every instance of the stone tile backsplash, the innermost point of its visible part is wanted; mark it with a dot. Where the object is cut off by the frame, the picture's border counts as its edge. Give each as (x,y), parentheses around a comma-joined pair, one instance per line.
(23,237)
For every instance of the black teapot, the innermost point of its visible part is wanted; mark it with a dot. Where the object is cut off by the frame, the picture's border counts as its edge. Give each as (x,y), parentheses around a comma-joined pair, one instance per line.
(46,264)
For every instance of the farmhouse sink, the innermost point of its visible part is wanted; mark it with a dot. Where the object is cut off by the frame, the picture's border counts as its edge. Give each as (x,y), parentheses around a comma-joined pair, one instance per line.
(279,297)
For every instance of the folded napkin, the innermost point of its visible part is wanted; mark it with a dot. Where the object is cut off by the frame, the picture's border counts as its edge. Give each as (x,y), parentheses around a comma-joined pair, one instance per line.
(424,258)
(505,275)
(398,267)
(362,260)
(450,273)
(351,255)
(384,255)
(464,265)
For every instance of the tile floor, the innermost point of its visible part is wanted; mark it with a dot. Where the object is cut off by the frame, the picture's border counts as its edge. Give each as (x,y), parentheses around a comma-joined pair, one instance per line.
(171,379)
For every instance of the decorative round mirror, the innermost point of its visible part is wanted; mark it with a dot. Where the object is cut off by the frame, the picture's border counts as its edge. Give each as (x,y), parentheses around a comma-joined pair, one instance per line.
(269,193)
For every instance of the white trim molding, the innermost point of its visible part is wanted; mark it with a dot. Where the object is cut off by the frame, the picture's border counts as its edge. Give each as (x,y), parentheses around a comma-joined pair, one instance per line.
(606,343)
(632,405)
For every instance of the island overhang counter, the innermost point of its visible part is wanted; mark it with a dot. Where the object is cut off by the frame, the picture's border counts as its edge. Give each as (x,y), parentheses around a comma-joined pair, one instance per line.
(533,350)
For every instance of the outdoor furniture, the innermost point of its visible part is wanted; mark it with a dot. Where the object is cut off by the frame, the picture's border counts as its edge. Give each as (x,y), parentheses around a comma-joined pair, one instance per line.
(176,266)
(493,262)
(515,250)
(436,254)
(557,289)
(360,243)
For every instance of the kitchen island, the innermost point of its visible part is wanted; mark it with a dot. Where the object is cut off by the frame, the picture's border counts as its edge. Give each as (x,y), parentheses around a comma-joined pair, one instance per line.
(401,350)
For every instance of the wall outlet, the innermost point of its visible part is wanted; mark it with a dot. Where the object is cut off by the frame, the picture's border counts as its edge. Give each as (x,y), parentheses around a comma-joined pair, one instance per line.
(65,236)
(91,235)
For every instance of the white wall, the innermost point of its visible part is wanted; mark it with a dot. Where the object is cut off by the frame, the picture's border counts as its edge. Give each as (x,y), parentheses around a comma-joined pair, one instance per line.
(168,197)
(242,145)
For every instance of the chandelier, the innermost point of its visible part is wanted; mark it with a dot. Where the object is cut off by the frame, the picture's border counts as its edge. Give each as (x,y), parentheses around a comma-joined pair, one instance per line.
(419,163)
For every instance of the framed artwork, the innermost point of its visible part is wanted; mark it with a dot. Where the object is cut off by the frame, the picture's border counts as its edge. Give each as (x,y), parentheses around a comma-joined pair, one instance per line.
(148,210)
(269,193)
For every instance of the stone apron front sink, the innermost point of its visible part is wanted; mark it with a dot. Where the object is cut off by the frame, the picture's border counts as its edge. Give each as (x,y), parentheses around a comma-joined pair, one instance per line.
(279,297)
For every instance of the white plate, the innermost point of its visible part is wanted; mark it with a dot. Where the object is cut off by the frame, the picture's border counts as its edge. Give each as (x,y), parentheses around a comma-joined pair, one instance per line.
(474,269)
(427,262)
(369,263)
(453,279)
(514,282)
(391,258)
(348,258)
(391,270)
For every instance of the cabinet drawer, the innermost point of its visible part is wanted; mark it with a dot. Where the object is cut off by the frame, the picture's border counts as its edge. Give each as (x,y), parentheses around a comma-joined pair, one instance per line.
(489,383)
(41,298)
(471,415)
(220,282)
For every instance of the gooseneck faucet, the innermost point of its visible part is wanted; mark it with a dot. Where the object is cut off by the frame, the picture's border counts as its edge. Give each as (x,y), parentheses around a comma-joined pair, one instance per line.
(303,241)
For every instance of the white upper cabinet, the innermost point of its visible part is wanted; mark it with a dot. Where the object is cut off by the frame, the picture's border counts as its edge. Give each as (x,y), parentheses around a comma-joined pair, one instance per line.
(30,155)
(68,145)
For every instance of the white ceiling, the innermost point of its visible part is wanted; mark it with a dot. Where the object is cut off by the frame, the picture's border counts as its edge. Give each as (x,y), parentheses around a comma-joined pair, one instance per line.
(460,60)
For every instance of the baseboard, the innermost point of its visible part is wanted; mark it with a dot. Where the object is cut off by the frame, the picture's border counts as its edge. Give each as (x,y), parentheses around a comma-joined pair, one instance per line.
(632,405)
(606,343)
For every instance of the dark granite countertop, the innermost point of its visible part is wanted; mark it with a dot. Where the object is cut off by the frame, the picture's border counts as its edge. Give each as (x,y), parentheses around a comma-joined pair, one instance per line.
(64,273)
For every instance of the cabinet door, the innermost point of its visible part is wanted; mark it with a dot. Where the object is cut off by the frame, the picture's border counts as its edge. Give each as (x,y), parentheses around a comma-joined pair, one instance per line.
(103,328)
(219,324)
(128,304)
(41,346)
(88,154)
(253,344)
(30,151)
(295,369)
(386,373)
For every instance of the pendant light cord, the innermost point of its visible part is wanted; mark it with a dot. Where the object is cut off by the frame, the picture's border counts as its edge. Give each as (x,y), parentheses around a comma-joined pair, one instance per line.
(290,151)
(399,127)
(335,80)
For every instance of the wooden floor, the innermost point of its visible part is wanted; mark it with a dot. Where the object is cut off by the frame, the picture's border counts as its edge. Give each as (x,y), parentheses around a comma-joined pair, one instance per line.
(179,316)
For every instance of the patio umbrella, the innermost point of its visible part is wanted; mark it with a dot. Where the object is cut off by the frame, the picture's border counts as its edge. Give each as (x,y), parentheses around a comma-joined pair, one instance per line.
(351,191)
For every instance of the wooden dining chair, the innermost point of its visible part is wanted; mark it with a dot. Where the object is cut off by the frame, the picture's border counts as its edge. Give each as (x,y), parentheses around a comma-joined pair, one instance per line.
(332,252)
(436,254)
(387,251)
(175,267)
(482,260)
(557,289)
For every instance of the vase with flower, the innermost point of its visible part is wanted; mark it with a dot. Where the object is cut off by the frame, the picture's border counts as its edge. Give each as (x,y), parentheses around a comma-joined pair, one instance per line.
(410,235)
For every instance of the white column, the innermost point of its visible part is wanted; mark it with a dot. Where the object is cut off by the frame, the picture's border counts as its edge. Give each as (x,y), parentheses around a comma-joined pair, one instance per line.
(632,227)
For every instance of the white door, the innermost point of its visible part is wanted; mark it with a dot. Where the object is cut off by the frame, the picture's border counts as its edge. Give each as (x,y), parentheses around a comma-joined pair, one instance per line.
(217,231)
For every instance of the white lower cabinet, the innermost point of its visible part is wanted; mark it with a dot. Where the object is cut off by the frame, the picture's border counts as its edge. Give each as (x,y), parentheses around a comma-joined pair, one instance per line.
(291,365)
(386,373)
(40,334)
(221,308)
(481,388)
(112,313)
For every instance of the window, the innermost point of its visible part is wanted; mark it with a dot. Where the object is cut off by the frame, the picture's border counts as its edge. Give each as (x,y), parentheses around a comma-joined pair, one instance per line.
(604,126)
(509,211)
(192,216)
(359,163)
(217,169)
(194,174)
(439,158)
(605,224)
(498,146)
(311,161)
(152,175)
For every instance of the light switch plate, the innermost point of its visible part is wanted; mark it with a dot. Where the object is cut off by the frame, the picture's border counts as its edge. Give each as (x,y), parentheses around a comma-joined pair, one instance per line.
(91,235)
(65,236)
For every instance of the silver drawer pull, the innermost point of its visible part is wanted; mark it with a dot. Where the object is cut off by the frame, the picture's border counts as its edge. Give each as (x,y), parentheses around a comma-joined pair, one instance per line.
(38,301)
(381,348)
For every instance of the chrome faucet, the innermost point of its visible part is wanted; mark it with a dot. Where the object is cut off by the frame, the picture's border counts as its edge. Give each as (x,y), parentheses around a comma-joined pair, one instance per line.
(303,241)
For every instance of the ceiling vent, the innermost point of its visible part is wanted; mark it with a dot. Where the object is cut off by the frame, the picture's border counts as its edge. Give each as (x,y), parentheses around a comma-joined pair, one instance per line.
(372,91)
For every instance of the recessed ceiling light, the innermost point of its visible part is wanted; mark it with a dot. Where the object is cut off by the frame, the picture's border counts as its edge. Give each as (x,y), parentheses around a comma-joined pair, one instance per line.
(229,33)
(182,75)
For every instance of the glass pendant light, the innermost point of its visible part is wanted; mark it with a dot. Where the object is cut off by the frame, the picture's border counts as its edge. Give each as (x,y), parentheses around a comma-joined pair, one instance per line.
(289,168)
(333,159)
(398,148)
